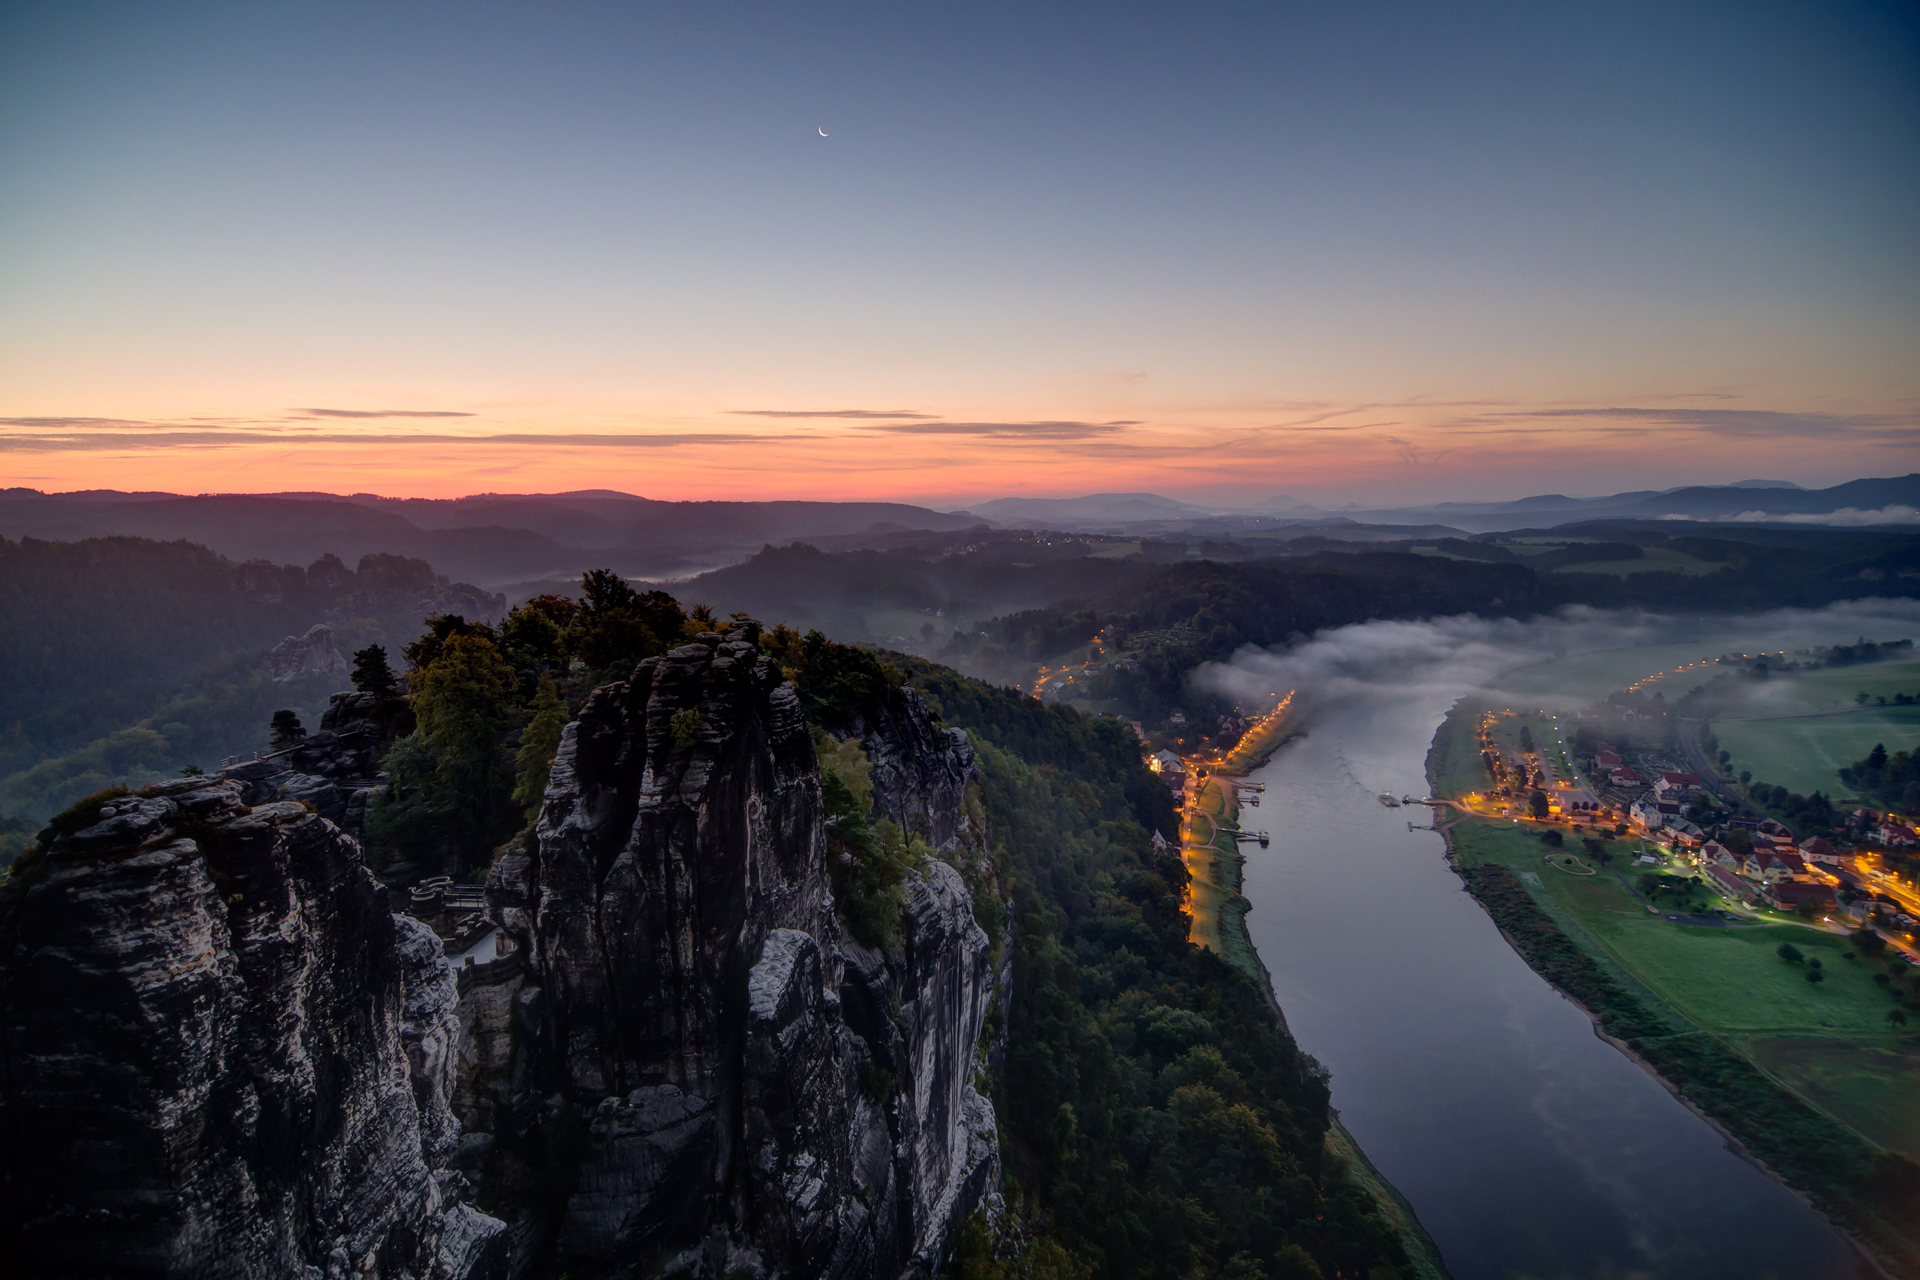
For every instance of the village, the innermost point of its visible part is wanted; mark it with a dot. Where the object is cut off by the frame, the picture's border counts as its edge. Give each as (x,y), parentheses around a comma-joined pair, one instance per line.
(1691,833)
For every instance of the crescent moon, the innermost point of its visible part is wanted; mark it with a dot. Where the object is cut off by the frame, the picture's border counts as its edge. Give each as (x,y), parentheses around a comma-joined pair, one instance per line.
(823,133)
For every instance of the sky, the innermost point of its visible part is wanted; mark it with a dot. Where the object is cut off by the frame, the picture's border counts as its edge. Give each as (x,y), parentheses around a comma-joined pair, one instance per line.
(1381,252)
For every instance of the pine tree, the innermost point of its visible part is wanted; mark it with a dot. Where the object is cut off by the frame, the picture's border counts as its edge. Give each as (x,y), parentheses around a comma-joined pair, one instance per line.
(287,729)
(371,674)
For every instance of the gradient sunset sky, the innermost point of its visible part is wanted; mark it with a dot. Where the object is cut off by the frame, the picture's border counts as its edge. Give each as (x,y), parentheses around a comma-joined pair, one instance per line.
(1341,250)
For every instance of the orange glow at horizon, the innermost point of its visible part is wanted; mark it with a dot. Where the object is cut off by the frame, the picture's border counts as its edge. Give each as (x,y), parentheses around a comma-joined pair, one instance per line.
(924,458)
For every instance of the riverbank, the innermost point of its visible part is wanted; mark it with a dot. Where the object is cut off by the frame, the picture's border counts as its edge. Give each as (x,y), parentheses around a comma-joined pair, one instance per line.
(1218,912)
(1215,905)
(1210,823)
(1855,1185)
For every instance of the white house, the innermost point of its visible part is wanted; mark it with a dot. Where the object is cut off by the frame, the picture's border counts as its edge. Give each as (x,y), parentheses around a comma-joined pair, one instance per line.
(1818,850)
(1646,814)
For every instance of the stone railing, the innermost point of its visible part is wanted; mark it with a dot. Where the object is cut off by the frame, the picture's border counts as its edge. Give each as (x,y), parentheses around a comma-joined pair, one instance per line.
(489,973)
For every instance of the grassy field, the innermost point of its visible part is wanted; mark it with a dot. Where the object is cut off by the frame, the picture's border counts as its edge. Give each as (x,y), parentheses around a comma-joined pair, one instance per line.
(1830,689)
(1829,1041)
(1587,677)
(1806,1074)
(1864,1084)
(1454,763)
(1804,753)
(1656,560)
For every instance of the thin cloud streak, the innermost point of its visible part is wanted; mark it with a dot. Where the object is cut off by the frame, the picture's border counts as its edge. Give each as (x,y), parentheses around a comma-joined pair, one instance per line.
(385,413)
(109,440)
(1749,423)
(857,414)
(1066,430)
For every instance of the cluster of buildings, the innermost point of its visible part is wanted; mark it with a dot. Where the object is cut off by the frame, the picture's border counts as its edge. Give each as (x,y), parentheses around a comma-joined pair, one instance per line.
(1753,860)
(1781,874)
(1173,771)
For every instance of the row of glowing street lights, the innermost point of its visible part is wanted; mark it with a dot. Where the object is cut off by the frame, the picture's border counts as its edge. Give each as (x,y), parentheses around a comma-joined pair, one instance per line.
(1636,686)
(1186,814)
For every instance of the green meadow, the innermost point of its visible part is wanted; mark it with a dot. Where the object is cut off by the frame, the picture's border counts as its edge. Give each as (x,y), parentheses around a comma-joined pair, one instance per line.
(1656,560)
(1805,753)
(1829,1041)
(1828,689)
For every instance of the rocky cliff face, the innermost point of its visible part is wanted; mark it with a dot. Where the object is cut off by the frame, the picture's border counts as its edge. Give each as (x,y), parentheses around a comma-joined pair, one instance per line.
(336,769)
(760,1093)
(920,771)
(314,654)
(223,1056)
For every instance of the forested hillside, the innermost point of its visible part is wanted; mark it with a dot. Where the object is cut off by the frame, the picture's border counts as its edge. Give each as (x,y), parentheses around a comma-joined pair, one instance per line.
(1179,616)
(1158,1116)
(126,657)
(1158,1120)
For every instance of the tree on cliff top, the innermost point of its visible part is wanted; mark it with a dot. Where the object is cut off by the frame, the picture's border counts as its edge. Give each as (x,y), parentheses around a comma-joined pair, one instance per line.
(287,729)
(464,706)
(616,625)
(452,786)
(371,674)
(539,742)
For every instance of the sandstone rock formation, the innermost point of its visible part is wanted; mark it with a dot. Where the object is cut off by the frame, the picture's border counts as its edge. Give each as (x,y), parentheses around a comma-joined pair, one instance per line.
(764,1094)
(336,769)
(311,655)
(223,1056)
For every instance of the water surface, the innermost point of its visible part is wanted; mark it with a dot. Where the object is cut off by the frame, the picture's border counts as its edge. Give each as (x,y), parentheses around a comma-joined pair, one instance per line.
(1528,1146)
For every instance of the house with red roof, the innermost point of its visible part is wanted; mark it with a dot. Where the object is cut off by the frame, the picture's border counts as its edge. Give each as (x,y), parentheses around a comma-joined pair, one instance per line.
(1896,836)
(1770,866)
(1730,884)
(1671,786)
(1788,894)
(1714,853)
(1818,850)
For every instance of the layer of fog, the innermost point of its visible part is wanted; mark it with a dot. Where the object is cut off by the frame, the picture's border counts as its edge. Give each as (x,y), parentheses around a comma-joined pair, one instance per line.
(1845,517)
(1440,659)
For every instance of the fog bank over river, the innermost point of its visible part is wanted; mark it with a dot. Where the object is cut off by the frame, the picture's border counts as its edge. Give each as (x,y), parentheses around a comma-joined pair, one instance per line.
(1528,1146)
(1446,657)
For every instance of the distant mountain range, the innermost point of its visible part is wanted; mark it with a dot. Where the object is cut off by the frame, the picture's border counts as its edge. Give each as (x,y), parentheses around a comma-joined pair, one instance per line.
(489,539)
(507,540)
(1892,501)
(1053,513)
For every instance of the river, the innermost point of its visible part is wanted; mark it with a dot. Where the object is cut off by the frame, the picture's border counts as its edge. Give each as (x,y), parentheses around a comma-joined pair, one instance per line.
(1528,1146)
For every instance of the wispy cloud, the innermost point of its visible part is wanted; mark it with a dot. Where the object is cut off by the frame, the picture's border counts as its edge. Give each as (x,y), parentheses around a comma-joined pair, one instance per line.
(384,413)
(1050,430)
(856,414)
(77,424)
(103,440)
(1746,423)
